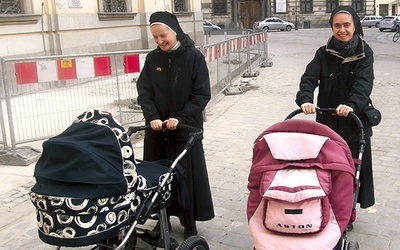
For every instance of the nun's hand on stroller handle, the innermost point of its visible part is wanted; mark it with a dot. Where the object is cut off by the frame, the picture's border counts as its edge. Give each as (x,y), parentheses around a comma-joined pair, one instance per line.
(195,133)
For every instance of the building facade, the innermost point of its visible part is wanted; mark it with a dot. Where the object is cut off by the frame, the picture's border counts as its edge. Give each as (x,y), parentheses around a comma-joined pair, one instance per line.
(388,7)
(303,13)
(56,27)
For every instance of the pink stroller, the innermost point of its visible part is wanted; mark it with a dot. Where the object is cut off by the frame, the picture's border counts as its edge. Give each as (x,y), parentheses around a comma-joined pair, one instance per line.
(303,186)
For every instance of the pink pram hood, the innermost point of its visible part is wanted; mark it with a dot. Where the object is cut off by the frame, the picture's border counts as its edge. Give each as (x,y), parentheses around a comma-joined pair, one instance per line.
(327,151)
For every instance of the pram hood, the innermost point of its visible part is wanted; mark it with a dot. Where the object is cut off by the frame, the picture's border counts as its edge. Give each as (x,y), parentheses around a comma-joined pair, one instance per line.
(333,155)
(94,154)
(87,185)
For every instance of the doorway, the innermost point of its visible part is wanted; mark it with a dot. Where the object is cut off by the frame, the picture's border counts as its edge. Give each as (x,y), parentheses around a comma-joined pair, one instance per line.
(250,11)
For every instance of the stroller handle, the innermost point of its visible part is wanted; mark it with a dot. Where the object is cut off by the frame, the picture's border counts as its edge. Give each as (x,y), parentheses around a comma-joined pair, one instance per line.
(351,115)
(195,133)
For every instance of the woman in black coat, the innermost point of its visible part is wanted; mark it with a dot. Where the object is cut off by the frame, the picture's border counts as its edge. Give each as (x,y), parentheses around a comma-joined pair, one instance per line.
(174,87)
(343,71)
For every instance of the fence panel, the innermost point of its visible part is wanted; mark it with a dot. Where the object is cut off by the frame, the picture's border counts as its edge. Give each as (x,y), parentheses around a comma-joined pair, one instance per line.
(43,95)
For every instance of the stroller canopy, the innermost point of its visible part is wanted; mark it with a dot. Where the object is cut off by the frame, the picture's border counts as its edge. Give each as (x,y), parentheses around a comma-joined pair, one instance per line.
(94,154)
(288,147)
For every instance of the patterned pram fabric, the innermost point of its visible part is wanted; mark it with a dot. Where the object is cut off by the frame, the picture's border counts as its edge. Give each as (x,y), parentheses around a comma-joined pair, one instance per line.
(87,186)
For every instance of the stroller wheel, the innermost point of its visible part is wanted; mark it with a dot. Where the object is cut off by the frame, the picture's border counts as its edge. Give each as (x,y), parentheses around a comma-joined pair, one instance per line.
(352,246)
(194,243)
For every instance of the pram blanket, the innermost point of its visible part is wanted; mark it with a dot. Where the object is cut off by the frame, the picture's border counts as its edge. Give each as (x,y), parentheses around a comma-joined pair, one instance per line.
(276,179)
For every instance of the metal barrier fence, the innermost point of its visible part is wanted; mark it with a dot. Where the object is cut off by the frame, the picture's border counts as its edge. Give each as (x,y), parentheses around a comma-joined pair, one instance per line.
(41,96)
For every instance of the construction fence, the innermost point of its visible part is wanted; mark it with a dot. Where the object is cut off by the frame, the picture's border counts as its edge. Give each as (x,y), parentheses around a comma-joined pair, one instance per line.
(41,96)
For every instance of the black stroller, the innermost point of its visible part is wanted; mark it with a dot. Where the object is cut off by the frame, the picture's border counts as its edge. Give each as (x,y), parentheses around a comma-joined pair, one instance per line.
(90,190)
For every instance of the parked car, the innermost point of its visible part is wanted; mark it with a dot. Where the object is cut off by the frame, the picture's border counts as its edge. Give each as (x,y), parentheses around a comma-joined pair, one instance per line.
(371,21)
(209,26)
(389,22)
(273,23)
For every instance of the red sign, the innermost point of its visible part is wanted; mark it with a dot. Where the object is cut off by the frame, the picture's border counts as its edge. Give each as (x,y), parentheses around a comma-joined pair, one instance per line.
(26,72)
(131,63)
(66,69)
(102,66)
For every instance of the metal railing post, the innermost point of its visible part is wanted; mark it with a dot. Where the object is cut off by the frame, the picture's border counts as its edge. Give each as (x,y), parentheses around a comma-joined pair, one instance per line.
(266,62)
(2,123)
(229,63)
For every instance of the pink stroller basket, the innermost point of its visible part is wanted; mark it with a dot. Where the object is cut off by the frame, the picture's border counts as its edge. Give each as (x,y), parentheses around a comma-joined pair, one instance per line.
(307,163)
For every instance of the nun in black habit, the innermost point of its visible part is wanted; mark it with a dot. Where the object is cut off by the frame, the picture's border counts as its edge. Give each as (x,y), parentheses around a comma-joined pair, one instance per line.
(343,71)
(174,88)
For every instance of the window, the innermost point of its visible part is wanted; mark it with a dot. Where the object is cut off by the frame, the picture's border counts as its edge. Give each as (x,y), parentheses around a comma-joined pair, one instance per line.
(115,10)
(358,5)
(280,6)
(180,6)
(10,7)
(331,5)
(306,6)
(114,6)
(219,7)
(24,9)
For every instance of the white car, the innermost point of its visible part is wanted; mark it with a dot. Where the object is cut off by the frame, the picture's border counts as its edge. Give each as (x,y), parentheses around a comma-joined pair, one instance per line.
(389,22)
(273,23)
(371,21)
(209,26)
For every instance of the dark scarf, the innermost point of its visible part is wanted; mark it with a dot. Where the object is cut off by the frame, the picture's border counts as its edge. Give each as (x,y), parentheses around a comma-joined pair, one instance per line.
(345,48)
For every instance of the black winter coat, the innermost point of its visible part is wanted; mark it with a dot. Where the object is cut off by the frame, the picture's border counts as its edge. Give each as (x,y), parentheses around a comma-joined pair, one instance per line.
(174,85)
(177,85)
(340,80)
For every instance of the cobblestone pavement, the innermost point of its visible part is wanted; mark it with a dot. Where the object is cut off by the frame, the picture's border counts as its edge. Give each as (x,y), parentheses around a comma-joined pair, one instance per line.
(234,121)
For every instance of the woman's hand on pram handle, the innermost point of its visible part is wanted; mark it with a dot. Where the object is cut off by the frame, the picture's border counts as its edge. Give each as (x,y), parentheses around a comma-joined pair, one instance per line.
(343,110)
(308,108)
(333,111)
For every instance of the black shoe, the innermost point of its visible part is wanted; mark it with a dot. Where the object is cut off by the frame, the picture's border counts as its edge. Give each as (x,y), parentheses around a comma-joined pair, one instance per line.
(189,231)
(350,227)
